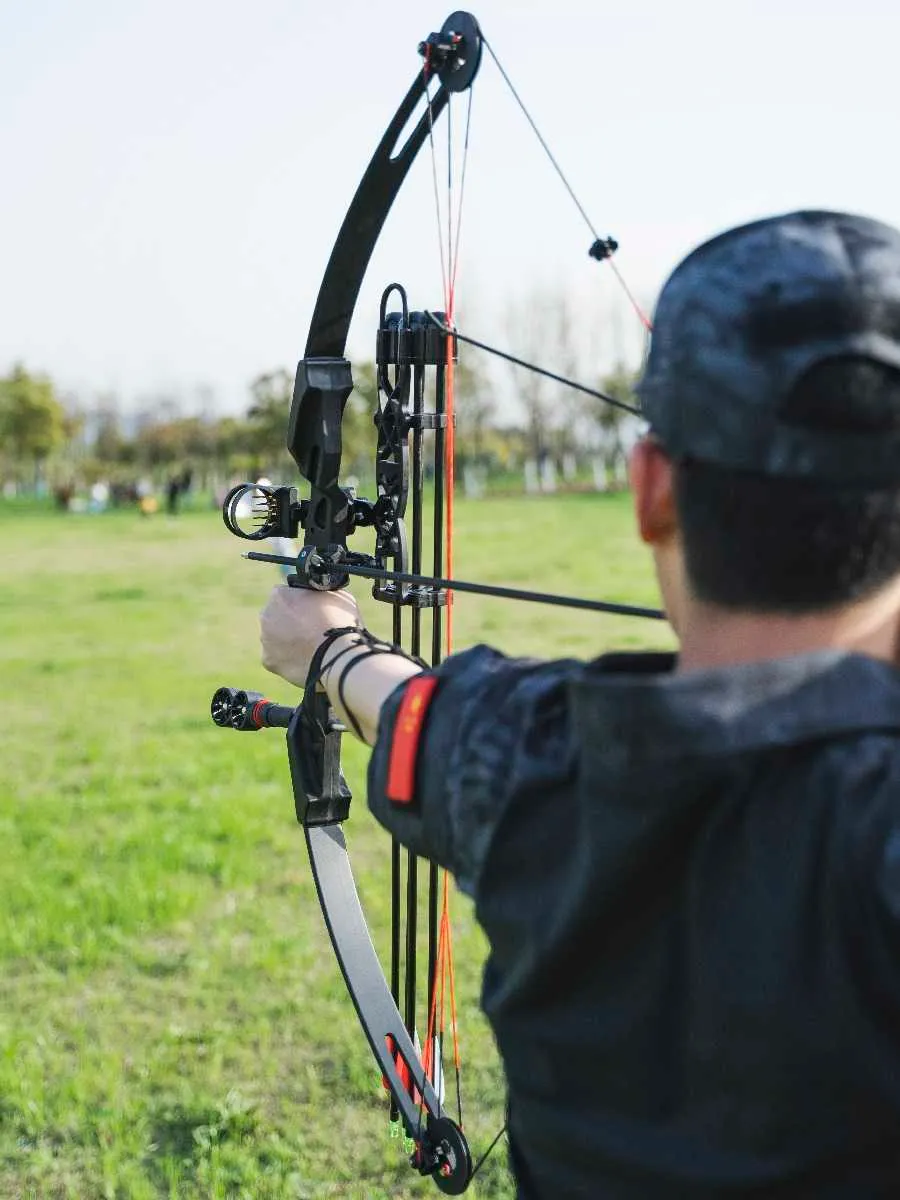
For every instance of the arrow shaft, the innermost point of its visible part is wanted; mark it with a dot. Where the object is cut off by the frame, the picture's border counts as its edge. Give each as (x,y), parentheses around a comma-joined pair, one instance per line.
(478,589)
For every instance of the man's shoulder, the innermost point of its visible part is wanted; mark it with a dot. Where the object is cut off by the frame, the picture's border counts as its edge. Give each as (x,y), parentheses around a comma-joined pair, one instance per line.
(640,699)
(823,696)
(489,664)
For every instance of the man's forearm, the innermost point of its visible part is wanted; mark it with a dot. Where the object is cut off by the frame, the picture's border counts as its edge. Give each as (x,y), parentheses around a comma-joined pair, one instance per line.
(358,692)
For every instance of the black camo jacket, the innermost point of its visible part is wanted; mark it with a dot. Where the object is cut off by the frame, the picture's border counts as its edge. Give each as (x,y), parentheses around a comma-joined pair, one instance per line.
(691,889)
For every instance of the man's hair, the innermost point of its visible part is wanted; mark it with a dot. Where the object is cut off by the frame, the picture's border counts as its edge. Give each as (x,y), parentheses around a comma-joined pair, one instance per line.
(772,544)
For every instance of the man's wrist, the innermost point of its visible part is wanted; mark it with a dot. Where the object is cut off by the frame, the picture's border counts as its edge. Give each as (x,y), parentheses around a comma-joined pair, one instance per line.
(340,653)
(358,688)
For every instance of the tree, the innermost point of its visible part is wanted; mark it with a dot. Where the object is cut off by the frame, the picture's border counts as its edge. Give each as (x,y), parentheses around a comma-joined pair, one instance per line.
(526,326)
(545,327)
(267,416)
(358,425)
(32,421)
(614,423)
(110,444)
(475,408)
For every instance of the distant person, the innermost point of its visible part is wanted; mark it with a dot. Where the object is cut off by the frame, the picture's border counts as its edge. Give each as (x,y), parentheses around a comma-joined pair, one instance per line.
(123,494)
(99,496)
(174,489)
(178,486)
(688,865)
(146,497)
(63,494)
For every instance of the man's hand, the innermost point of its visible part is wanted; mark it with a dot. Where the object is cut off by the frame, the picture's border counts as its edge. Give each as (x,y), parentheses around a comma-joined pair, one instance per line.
(293,625)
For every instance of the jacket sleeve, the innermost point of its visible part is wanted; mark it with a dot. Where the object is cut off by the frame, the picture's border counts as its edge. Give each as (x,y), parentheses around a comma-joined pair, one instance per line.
(492,725)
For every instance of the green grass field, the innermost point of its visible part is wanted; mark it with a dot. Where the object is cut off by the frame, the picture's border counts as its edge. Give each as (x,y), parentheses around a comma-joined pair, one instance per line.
(172,1020)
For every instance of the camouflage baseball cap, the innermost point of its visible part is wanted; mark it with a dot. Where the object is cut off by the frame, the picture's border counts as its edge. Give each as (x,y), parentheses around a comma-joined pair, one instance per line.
(746,315)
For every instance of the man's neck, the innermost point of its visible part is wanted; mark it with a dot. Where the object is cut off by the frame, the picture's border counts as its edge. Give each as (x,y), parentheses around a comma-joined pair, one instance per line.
(717,637)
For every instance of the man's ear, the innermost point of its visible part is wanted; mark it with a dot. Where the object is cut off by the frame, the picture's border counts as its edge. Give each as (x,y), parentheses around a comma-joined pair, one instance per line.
(652,477)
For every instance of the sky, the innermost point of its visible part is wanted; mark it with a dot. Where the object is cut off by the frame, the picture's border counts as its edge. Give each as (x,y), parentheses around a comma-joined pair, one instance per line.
(173,172)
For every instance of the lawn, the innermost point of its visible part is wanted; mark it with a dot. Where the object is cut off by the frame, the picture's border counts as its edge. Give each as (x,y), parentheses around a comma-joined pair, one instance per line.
(172,1020)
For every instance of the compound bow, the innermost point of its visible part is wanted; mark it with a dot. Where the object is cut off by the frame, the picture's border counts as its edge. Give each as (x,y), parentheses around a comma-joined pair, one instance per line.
(411,346)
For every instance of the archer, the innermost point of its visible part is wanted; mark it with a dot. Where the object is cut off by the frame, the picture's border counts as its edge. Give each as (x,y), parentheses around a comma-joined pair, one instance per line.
(688,867)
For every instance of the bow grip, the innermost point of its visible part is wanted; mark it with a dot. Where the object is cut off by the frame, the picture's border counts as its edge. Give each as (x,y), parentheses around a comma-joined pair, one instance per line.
(321,389)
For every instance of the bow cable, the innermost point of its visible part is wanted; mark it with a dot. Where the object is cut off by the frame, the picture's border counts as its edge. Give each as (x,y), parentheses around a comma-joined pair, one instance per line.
(529,366)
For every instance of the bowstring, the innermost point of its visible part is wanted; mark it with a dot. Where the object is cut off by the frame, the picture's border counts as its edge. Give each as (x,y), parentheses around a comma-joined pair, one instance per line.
(449,263)
(462,190)
(453,243)
(449,251)
(432,1059)
(426,72)
(449,406)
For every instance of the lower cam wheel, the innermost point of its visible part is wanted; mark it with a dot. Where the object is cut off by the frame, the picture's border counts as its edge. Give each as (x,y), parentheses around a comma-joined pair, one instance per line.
(454,1166)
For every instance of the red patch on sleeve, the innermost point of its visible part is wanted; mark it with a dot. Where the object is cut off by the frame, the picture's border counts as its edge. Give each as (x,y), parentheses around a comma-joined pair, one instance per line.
(401,774)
